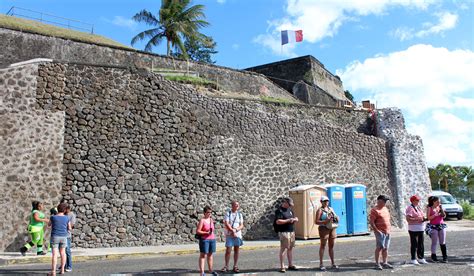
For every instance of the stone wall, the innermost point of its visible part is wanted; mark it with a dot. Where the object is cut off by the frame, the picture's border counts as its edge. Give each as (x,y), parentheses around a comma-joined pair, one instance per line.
(313,95)
(31,153)
(407,159)
(19,46)
(287,73)
(143,155)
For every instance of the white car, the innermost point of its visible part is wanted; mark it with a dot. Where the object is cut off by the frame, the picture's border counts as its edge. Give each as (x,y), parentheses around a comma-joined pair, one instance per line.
(450,204)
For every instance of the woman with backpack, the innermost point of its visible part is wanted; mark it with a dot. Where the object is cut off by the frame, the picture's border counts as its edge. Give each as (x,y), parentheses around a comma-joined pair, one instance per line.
(207,241)
(326,219)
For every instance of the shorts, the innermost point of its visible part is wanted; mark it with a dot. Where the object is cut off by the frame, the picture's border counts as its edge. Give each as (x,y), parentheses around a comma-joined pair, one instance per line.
(382,240)
(58,242)
(233,241)
(287,239)
(207,246)
(325,233)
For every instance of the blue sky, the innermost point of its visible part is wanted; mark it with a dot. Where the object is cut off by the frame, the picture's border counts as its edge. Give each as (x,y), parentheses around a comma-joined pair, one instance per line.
(417,55)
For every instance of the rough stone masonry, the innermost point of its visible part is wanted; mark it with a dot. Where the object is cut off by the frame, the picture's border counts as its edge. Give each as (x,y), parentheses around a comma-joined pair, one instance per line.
(141,155)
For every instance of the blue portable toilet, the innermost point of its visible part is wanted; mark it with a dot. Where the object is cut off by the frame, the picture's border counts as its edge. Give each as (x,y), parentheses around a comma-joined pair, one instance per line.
(337,200)
(356,204)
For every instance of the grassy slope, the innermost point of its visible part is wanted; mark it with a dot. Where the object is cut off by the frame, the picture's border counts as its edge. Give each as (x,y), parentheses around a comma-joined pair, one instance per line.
(20,24)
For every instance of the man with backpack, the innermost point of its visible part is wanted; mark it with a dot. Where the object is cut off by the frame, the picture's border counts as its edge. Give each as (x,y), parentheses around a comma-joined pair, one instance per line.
(233,225)
(284,226)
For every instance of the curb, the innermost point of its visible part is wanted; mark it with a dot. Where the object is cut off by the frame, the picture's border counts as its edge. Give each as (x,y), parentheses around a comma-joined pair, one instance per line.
(119,256)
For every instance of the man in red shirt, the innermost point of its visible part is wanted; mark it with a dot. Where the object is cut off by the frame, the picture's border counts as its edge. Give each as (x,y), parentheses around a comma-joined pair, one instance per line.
(380,222)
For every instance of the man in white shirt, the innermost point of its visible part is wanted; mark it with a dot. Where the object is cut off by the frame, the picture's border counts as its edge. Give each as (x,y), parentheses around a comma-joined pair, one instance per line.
(233,225)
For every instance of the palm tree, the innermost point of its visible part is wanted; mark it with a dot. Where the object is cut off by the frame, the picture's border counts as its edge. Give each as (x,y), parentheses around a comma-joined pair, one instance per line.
(178,21)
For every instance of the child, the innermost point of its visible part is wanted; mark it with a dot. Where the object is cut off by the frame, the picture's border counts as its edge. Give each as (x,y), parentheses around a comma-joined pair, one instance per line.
(60,226)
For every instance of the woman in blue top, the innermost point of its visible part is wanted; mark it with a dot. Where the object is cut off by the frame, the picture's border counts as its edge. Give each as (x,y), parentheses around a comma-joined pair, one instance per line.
(60,226)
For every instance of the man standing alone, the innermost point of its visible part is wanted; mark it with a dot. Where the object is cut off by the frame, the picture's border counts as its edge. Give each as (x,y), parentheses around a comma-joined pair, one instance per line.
(380,222)
(284,225)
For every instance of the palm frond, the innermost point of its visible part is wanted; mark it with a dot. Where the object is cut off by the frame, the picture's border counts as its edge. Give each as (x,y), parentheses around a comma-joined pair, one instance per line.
(147,17)
(146,34)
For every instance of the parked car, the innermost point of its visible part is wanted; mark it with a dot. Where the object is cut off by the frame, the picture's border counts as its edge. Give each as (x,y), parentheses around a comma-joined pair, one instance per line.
(450,204)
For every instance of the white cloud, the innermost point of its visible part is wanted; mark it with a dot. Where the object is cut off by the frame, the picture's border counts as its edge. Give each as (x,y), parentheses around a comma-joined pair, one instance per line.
(323,18)
(446,21)
(446,138)
(419,78)
(273,42)
(434,88)
(123,22)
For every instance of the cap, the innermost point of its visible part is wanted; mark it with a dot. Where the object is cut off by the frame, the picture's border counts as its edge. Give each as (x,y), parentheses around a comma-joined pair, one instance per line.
(324,198)
(415,197)
(289,200)
(383,197)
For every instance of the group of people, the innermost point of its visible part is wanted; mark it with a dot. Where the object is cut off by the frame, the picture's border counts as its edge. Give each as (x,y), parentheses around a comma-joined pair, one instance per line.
(326,219)
(61,222)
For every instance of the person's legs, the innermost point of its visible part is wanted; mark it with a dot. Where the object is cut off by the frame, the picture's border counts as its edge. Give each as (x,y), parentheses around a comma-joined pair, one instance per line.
(322,247)
(53,259)
(377,255)
(434,241)
(332,241)
(442,244)
(62,253)
(385,255)
(420,249)
(39,244)
(68,255)
(289,254)
(228,251)
(202,259)
(210,261)
(413,244)
(236,256)
(282,252)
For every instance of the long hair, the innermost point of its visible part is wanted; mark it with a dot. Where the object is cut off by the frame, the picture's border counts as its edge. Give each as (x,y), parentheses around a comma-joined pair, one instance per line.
(432,200)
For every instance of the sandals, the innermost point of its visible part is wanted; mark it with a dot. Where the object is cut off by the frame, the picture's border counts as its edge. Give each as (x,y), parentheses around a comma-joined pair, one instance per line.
(225,269)
(236,269)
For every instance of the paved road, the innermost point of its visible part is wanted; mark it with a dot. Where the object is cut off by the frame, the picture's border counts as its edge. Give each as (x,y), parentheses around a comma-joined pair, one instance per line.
(354,258)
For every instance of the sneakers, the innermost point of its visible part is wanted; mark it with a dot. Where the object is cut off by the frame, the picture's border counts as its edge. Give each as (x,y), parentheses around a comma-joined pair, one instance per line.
(41,253)
(387,265)
(68,269)
(322,268)
(422,261)
(292,267)
(414,262)
(379,267)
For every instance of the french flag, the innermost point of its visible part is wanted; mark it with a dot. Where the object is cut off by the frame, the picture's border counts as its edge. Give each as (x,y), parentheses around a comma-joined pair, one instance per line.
(291,36)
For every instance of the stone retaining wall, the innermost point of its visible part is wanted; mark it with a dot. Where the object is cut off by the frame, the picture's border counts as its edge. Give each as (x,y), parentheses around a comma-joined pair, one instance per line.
(20,46)
(31,164)
(143,155)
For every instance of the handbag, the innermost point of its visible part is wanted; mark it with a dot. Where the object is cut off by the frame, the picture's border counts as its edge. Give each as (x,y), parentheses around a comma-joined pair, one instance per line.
(333,223)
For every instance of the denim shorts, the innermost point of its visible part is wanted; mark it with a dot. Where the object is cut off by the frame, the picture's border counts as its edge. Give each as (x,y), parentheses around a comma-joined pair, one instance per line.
(207,246)
(382,240)
(58,242)
(233,241)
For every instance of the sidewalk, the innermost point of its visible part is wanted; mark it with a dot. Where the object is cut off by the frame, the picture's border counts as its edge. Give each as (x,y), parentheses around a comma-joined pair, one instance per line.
(114,253)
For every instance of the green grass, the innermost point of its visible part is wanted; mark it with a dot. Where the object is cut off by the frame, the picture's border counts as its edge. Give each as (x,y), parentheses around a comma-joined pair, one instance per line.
(276,100)
(468,210)
(20,24)
(192,80)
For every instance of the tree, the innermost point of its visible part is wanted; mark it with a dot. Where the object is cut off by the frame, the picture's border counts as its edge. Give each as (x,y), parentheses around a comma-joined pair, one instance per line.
(177,21)
(349,96)
(199,50)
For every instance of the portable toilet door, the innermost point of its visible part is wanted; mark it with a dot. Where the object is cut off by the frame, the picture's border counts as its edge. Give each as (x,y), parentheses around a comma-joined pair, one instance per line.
(356,204)
(307,200)
(337,200)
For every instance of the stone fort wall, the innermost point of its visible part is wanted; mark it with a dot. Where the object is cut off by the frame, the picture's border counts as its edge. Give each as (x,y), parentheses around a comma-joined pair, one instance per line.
(19,46)
(31,153)
(143,155)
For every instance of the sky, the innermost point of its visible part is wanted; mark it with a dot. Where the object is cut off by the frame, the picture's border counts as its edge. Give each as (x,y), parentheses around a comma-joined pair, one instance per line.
(417,55)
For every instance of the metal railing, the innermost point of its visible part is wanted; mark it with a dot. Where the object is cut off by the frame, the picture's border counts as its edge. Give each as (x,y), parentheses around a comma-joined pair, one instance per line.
(51,19)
